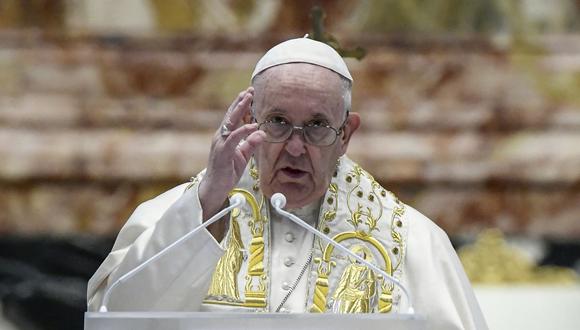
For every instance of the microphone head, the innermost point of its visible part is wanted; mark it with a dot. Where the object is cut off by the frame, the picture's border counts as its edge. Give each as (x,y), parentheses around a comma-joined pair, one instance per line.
(238,199)
(278,200)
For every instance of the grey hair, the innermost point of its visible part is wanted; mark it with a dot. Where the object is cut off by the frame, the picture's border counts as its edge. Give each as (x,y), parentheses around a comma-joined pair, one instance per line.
(346,94)
(346,91)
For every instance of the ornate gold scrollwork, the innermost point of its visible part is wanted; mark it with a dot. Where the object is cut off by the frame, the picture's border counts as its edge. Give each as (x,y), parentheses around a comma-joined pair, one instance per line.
(321,288)
(386,296)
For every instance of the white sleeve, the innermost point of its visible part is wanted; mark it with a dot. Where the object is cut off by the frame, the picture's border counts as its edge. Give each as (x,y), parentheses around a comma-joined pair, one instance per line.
(436,279)
(177,281)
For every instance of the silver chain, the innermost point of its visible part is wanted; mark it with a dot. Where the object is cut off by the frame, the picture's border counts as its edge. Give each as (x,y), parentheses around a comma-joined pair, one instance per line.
(295,284)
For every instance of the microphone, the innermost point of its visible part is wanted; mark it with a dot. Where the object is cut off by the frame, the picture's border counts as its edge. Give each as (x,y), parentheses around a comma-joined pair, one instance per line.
(278,201)
(237,200)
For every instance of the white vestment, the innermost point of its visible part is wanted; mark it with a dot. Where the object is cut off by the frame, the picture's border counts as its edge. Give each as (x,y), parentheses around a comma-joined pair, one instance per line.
(263,256)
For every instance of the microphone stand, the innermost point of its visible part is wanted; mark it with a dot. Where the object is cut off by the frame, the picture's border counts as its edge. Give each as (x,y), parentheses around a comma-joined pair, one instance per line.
(236,200)
(278,200)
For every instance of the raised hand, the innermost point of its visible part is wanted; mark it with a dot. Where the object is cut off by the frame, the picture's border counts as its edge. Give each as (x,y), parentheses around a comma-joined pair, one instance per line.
(232,147)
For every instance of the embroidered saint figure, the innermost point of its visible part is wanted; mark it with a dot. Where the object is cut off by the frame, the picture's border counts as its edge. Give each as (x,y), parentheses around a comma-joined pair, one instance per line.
(357,286)
(224,282)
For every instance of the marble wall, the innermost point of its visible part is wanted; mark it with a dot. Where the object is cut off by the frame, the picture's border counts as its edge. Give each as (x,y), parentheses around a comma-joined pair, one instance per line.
(98,113)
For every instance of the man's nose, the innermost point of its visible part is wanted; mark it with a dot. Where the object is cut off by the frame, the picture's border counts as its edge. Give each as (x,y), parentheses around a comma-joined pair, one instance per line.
(295,145)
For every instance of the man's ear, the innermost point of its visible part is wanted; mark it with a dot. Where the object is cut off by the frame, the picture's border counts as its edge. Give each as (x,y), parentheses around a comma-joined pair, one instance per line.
(352,124)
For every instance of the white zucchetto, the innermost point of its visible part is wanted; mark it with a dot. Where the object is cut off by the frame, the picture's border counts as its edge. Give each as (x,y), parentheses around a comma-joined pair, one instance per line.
(303,50)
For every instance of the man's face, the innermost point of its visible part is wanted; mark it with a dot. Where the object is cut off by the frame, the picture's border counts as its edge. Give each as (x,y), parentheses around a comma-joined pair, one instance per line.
(300,94)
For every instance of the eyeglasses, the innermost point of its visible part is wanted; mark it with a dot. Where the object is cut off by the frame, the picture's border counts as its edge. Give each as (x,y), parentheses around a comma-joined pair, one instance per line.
(278,131)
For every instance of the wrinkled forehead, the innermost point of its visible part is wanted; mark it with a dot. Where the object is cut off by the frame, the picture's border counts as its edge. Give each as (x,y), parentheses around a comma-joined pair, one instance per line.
(288,87)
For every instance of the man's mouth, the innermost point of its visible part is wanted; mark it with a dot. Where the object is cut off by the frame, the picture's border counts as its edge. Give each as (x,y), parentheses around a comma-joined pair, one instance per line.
(293,173)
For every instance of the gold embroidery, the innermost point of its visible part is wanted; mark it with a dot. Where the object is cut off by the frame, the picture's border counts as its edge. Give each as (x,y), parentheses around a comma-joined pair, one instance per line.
(397,222)
(386,296)
(192,182)
(254,170)
(333,191)
(224,282)
(357,285)
(255,292)
(359,235)
(355,218)
(321,288)
(363,215)
(357,215)
(255,288)
(364,219)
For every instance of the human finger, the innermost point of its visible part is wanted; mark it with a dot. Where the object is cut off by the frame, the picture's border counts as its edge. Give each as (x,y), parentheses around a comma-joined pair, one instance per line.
(226,125)
(238,99)
(236,136)
(240,110)
(247,147)
(235,114)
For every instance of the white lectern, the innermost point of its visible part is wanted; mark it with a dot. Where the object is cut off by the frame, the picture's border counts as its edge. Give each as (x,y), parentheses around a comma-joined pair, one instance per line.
(249,321)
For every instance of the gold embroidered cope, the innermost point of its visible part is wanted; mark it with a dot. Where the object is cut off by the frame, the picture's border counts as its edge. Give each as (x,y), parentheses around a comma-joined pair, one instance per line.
(356,212)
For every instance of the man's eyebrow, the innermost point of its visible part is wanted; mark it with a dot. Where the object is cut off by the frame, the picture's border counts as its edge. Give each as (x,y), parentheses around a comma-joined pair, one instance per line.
(320,116)
(315,116)
(277,111)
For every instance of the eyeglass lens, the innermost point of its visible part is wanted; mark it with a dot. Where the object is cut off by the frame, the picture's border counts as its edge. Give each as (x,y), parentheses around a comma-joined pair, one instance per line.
(316,135)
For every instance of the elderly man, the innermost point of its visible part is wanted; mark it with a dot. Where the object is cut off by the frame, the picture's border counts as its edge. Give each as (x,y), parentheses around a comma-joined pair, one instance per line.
(287,133)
